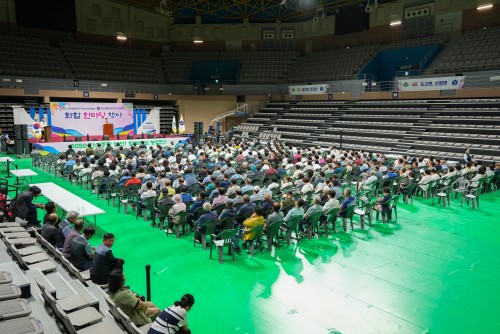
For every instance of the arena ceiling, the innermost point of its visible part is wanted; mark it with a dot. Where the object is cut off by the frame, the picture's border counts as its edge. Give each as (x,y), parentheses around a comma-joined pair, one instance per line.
(224,11)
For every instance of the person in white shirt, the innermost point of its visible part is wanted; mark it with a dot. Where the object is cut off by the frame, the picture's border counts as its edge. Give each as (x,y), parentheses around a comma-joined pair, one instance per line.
(480,174)
(425,180)
(331,203)
(368,184)
(307,187)
(42,127)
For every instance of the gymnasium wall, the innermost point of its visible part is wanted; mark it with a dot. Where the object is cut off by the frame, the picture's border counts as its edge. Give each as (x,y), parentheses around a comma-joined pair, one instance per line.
(194,108)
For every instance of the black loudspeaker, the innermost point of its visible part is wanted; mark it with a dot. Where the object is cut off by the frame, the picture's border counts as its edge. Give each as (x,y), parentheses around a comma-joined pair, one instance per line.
(105,137)
(130,137)
(78,138)
(150,135)
(21,131)
(22,146)
(198,127)
(240,98)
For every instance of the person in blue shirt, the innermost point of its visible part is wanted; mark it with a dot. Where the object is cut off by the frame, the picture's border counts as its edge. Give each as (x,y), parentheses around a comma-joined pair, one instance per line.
(186,197)
(208,214)
(391,173)
(347,203)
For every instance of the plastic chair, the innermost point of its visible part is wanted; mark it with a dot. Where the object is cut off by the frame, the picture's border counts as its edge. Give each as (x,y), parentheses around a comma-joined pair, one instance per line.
(182,222)
(272,234)
(210,229)
(444,195)
(313,224)
(161,213)
(222,240)
(150,205)
(257,232)
(293,228)
(473,196)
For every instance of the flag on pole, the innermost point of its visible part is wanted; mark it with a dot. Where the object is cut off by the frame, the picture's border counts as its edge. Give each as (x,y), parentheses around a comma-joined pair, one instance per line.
(174,126)
(182,128)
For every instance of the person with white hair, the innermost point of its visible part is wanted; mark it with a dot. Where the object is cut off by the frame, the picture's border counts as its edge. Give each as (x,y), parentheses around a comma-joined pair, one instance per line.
(65,227)
(313,209)
(208,214)
(178,207)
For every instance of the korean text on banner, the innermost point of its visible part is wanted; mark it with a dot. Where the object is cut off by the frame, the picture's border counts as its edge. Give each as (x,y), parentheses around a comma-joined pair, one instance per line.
(82,118)
(438,83)
(308,89)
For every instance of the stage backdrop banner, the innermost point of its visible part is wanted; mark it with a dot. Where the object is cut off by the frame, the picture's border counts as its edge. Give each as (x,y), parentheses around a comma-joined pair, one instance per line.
(56,147)
(308,89)
(82,118)
(438,83)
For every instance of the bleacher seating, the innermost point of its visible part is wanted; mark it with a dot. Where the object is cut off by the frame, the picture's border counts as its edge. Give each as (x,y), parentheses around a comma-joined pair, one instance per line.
(105,62)
(332,65)
(441,128)
(25,55)
(23,308)
(265,66)
(473,51)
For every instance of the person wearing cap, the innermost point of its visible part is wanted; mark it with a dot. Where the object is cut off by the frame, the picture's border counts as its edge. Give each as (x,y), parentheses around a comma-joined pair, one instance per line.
(208,214)
(178,207)
(257,196)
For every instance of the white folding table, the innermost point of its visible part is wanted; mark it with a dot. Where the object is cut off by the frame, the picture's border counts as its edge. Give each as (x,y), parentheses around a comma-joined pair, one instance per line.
(69,201)
(23,174)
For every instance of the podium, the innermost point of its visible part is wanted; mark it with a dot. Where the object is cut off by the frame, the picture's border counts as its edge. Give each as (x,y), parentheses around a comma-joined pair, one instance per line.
(47,134)
(107,130)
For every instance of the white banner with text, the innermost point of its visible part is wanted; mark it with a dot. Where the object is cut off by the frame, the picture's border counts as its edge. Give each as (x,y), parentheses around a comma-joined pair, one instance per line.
(438,83)
(308,89)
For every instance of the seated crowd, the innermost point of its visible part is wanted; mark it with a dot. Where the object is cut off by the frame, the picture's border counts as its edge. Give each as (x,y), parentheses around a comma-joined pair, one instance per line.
(239,185)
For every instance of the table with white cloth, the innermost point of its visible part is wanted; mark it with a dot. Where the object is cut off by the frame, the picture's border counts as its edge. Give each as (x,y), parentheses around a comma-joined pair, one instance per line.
(69,201)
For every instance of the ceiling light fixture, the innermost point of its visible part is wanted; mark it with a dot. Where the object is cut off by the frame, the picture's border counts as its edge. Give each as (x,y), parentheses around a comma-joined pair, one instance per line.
(484,7)
(121,36)
(395,23)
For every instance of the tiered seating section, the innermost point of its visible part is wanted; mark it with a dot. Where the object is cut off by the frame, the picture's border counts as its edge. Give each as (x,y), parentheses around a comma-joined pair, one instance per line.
(25,55)
(332,65)
(440,128)
(256,66)
(475,51)
(42,292)
(104,62)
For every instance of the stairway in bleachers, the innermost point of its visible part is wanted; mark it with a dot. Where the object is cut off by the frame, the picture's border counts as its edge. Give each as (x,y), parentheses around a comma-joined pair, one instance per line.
(441,128)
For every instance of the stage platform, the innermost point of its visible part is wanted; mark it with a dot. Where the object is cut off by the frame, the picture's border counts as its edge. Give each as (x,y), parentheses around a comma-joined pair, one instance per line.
(62,146)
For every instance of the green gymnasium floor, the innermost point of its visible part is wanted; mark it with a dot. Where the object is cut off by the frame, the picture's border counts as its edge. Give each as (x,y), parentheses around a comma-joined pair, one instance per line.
(435,270)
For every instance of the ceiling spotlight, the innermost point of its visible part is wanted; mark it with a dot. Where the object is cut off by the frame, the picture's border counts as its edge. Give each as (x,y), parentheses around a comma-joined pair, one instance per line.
(488,6)
(395,23)
(121,36)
